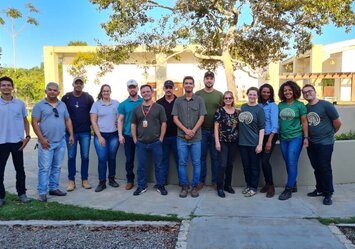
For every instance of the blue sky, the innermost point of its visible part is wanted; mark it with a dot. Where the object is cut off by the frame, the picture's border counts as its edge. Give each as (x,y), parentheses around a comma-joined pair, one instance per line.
(61,21)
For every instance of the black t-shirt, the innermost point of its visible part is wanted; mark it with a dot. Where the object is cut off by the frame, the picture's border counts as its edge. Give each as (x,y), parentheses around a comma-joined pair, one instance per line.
(171,129)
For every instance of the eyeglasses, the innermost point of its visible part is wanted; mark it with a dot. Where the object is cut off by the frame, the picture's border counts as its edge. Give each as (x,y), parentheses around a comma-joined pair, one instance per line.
(228,98)
(56,114)
(307,92)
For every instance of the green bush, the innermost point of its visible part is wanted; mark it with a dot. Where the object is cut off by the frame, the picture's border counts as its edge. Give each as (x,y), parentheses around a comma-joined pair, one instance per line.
(346,136)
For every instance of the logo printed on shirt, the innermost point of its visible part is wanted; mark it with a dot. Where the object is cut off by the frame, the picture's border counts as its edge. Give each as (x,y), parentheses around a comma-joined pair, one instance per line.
(313,119)
(287,114)
(18,115)
(245,117)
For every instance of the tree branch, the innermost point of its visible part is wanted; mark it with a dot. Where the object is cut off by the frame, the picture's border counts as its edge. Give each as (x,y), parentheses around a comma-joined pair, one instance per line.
(155,4)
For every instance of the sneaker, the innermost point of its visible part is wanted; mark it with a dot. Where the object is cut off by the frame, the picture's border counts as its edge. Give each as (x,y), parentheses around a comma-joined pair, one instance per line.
(2,202)
(71,185)
(161,190)
(221,193)
(42,198)
(112,182)
(315,193)
(57,192)
(85,184)
(250,193)
(265,188)
(129,185)
(229,189)
(327,200)
(184,191)
(271,191)
(200,186)
(101,186)
(286,194)
(246,190)
(139,191)
(194,192)
(24,199)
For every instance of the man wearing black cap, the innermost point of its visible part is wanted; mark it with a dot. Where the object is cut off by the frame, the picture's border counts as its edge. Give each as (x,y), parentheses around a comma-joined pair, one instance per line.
(169,142)
(213,99)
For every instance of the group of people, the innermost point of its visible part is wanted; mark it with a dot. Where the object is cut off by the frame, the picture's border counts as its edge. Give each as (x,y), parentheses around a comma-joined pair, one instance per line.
(188,126)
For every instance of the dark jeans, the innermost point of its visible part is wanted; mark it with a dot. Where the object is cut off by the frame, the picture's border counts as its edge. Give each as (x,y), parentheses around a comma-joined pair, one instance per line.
(129,150)
(169,144)
(251,166)
(155,149)
(265,159)
(321,157)
(107,154)
(225,168)
(208,144)
(84,140)
(17,159)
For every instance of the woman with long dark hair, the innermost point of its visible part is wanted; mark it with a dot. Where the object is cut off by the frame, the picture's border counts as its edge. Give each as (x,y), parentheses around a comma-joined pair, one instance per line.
(226,137)
(293,132)
(267,102)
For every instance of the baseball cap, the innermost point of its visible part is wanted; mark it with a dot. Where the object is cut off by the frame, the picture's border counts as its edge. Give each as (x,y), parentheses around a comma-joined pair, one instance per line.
(78,78)
(209,74)
(168,83)
(132,83)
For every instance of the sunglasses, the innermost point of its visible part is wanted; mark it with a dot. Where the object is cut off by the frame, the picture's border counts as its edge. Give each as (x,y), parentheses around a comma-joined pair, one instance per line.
(228,98)
(56,114)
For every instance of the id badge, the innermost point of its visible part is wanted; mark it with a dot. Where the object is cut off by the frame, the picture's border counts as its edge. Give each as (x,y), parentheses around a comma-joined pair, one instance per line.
(145,123)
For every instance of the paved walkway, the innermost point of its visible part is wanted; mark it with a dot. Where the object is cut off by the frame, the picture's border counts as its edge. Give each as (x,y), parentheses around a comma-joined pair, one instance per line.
(232,222)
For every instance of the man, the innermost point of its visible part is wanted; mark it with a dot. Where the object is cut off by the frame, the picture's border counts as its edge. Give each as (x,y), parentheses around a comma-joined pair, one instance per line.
(78,104)
(148,126)
(189,111)
(13,123)
(169,142)
(124,128)
(213,99)
(323,122)
(50,118)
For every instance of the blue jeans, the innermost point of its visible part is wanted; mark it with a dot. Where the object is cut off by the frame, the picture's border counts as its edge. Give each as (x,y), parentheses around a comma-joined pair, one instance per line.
(321,157)
(49,166)
(169,144)
(291,150)
(142,151)
(251,166)
(207,143)
(129,150)
(184,149)
(107,154)
(84,140)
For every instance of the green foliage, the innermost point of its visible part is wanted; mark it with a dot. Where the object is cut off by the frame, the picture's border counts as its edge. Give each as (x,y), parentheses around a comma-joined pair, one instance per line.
(77,43)
(346,136)
(328,221)
(29,83)
(35,210)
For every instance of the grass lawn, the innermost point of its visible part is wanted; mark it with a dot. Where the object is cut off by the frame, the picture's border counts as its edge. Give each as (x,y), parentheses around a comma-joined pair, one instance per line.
(35,210)
(328,221)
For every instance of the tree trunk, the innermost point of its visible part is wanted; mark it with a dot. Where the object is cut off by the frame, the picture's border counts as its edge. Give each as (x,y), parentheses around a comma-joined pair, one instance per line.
(229,71)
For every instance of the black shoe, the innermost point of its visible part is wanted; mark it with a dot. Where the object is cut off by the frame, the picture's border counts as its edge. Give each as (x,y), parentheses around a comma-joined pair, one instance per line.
(229,189)
(139,191)
(221,193)
(286,194)
(42,198)
(101,186)
(315,193)
(161,190)
(294,188)
(328,200)
(112,182)
(57,192)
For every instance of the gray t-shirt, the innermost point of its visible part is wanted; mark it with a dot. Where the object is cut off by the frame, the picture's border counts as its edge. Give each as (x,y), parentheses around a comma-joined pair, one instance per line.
(320,122)
(51,122)
(189,112)
(251,121)
(154,118)
(107,115)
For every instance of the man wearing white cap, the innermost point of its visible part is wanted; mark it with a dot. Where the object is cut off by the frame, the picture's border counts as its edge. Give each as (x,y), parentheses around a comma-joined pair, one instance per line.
(125,110)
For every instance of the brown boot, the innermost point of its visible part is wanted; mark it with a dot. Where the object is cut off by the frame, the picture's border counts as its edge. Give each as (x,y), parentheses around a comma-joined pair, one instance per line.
(71,185)
(200,186)
(265,188)
(85,184)
(184,192)
(271,191)
(129,185)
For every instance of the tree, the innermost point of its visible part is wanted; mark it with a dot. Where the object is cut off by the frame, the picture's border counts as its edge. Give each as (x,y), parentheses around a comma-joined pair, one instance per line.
(236,34)
(77,43)
(14,14)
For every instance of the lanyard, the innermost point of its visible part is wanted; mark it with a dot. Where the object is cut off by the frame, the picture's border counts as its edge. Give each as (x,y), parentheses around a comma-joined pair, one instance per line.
(146,114)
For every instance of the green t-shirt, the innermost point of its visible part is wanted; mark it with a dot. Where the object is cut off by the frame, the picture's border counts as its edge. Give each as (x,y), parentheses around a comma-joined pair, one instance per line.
(290,119)
(213,101)
(320,122)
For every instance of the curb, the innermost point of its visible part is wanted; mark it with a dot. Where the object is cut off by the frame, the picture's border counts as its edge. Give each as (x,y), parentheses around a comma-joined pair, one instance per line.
(181,242)
(343,239)
(84,222)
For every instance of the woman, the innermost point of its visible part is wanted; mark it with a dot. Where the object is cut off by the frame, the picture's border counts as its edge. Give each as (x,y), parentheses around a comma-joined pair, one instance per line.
(267,102)
(293,132)
(251,135)
(103,115)
(226,136)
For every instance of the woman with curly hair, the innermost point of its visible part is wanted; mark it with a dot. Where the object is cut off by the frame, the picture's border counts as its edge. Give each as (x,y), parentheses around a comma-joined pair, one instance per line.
(293,132)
